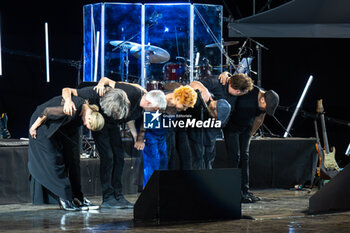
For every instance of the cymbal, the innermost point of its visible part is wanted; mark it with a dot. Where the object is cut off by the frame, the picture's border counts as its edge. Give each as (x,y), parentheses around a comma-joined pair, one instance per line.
(156,54)
(220,67)
(225,65)
(120,44)
(225,43)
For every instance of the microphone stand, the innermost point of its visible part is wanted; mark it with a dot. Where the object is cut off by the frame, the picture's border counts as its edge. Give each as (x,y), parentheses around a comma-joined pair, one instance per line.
(203,106)
(315,116)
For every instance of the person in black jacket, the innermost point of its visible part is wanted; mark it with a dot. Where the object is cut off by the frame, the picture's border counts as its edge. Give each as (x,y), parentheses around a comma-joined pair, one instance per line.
(247,116)
(53,144)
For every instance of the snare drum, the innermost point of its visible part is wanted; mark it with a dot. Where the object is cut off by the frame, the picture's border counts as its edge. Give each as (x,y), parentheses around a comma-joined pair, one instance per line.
(154,85)
(174,72)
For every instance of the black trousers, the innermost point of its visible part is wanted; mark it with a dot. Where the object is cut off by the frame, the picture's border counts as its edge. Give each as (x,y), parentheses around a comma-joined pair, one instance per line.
(178,150)
(195,138)
(237,147)
(109,146)
(209,155)
(71,152)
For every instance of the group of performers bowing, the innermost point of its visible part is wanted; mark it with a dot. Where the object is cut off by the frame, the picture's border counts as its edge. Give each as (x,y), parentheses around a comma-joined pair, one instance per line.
(54,152)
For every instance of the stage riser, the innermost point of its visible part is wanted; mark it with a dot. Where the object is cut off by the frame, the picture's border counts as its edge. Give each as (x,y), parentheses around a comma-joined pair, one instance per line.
(14,182)
(275,163)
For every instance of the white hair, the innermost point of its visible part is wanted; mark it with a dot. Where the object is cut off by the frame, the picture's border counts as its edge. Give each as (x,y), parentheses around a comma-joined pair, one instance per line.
(115,103)
(157,99)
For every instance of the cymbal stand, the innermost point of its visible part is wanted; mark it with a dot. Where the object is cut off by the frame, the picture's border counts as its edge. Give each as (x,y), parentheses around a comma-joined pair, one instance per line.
(124,63)
(228,63)
(258,49)
(147,68)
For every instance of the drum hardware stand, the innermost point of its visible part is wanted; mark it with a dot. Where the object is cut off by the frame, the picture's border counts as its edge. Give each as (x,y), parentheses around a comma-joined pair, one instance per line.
(258,49)
(88,147)
(124,63)
(228,63)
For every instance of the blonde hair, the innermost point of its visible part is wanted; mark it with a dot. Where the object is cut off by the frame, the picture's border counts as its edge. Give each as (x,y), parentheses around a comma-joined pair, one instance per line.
(186,95)
(97,121)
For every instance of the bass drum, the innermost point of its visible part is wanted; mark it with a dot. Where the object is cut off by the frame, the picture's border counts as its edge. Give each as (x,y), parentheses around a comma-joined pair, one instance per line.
(174,72)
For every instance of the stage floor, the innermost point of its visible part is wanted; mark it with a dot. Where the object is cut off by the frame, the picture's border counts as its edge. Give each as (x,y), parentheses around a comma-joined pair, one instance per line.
(280,210)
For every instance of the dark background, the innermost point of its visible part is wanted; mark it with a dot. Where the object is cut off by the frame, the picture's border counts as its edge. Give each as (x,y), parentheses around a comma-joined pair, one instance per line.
(286,66)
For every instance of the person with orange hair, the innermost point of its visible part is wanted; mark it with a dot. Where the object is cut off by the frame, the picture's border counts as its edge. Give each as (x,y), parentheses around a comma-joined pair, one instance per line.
(181,99)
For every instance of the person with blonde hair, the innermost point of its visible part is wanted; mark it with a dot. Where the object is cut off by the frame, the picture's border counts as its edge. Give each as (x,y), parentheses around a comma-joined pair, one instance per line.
(54,150)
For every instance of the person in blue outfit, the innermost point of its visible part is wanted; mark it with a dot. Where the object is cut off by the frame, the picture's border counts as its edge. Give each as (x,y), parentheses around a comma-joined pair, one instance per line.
(155,154)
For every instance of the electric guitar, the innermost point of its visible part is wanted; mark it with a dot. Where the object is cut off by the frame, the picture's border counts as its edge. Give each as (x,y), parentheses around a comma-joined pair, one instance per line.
(329,154)
(4,133)
(322,171)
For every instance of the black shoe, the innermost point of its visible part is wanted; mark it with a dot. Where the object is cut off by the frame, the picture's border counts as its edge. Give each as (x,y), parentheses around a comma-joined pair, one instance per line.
(249,197)
(111,203)
(123,202)
(68,205)
(255,198)
(85,204)
(120,203)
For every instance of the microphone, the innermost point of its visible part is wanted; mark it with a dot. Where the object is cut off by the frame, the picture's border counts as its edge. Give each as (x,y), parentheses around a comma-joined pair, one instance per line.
(204,104)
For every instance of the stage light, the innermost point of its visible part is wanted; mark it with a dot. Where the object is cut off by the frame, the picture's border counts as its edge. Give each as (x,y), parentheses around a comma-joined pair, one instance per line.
(347,152)
(166,29)
(47,57)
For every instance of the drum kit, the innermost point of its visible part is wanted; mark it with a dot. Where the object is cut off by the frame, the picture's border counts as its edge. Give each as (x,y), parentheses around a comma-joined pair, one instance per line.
(178,71)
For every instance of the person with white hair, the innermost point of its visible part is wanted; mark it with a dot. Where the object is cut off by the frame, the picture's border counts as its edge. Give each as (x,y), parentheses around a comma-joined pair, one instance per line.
(108,140)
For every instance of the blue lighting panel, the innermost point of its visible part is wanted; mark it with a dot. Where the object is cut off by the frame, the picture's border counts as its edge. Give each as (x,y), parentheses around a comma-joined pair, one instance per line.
(150,42)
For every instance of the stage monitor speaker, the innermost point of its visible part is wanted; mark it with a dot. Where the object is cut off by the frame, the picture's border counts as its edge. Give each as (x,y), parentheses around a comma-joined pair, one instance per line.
(190,195)
(333,196)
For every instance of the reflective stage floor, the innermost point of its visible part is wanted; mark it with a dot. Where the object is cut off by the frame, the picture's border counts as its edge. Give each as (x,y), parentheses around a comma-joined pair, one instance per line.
(278,211)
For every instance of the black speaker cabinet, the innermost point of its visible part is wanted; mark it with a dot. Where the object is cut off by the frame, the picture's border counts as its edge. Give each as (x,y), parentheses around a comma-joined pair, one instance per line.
(190,195)
(333,196)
